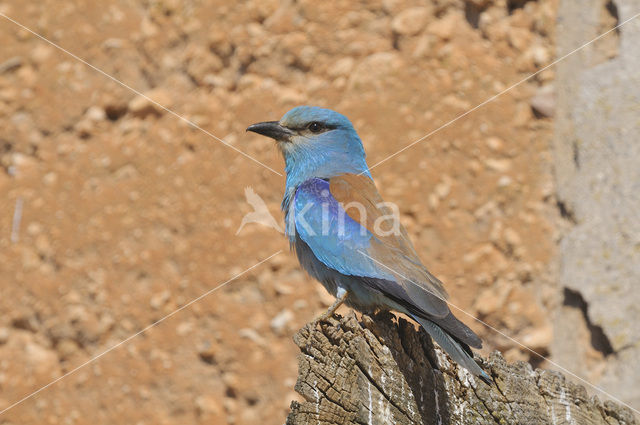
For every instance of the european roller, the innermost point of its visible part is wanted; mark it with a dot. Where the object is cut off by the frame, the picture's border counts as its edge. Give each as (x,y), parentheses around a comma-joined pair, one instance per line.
(335,218)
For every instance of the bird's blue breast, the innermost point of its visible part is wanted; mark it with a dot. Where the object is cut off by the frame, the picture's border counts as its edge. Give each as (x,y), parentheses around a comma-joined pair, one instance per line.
(334,238)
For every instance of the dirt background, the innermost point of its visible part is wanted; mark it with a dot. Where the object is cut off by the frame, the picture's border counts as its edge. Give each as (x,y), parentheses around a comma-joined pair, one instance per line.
(127,212)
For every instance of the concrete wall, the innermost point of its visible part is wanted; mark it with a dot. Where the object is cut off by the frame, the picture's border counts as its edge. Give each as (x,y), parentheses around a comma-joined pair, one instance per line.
(597,158)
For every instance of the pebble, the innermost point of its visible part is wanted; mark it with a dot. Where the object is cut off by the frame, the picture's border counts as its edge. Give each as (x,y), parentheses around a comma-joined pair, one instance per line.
(500,165)
(96,113)
(141,106)
(492,299)
(11,64)
(252,335)
(543,103)
(342,67)
(445,26)
(512,237)
(208,405)
(41,53)
(160,299)
(279,323)
(411,21)
(519,38)
(495,143)
(538,338)
(184,328)
(443,188)
(207,352)
(43,361)
(66,348)
(504,181)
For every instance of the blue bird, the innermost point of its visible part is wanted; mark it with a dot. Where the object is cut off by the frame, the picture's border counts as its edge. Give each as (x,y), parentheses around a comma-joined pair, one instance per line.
(334,220)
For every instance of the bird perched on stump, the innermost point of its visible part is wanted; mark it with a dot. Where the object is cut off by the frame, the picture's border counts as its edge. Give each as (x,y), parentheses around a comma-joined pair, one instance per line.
(348,238)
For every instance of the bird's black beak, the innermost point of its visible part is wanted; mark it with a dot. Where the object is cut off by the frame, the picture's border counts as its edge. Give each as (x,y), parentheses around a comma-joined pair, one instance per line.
(271,129)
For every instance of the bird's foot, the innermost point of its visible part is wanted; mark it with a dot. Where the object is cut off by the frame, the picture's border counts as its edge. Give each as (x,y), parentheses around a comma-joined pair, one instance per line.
(341,297)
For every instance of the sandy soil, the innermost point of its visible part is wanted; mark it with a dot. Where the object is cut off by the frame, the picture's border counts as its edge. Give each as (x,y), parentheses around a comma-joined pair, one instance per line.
(128,213)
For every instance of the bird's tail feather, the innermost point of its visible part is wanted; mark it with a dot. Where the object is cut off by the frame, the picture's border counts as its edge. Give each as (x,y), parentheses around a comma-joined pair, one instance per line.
(454,348)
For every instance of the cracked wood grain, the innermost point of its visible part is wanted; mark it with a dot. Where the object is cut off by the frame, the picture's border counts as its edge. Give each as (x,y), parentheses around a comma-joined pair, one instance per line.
(385,371)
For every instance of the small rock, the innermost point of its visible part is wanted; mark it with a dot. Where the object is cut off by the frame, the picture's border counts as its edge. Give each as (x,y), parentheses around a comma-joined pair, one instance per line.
(443,188)
(113,43)
(282,21)
(391,6)
(29,77)
(538,339)
(342,66)
(208,405)
(374,70)
(159,299)
(519,38)
(126,172)
(411,21)
(501,165)
(282,289)
(543,103)
(423,46)
(41,360)
(540,55)
(231,381)
(41,53)
(289,95)
(141,106)
(207,352)
(456,102)
(115,108)
(148,28)
(66,348)
(494,143)
(84,128)
(444,27)
(512,237)
(300,304)
(184,328)
(96,113)
(11,64)
(522,114)
(4,335)
(280,322)
(252,335)
(492,299)
(504,181)
(50,178)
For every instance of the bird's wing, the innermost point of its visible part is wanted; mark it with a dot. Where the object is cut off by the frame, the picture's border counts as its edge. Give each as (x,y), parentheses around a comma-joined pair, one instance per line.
(348,227)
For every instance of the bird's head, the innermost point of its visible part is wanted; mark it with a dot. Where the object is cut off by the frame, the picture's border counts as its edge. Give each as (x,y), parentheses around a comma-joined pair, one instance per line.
(315,142)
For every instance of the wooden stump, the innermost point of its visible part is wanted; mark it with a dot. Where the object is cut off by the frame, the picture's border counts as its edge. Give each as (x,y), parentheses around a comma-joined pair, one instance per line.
(385,371)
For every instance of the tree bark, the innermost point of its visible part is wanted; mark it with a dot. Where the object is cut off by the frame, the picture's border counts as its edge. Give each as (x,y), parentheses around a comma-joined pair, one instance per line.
(385,371)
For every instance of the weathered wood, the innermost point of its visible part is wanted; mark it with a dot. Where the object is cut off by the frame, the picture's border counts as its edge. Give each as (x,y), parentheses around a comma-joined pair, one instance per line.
(385,371)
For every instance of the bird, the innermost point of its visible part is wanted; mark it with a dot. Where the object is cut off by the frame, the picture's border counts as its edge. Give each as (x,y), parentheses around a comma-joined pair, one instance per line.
(334,220)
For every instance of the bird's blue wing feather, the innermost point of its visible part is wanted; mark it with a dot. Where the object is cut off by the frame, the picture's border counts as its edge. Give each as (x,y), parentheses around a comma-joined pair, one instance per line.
(333,236)
(347,243)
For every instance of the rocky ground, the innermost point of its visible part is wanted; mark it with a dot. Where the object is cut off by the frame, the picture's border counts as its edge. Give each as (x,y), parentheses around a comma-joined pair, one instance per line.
(115,212)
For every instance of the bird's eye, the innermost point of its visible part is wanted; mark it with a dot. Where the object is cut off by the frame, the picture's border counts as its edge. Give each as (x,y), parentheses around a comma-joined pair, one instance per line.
(315,127)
